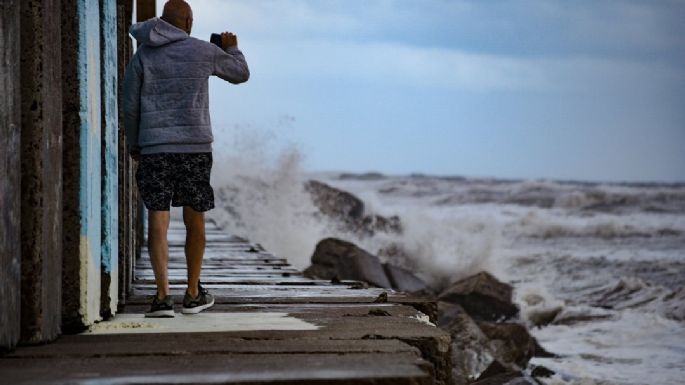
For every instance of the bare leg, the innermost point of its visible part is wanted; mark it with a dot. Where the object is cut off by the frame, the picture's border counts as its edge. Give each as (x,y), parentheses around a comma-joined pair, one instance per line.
(158,224)
(195,246)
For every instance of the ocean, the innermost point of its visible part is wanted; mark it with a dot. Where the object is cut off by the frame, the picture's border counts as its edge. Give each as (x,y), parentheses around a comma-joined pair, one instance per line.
(606,261)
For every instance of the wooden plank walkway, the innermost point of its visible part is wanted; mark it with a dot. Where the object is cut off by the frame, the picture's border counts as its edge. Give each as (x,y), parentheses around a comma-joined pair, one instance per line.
(270,325)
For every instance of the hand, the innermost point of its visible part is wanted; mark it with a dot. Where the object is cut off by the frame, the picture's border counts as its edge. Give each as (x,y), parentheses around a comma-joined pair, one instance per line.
(229,40)
(135,155)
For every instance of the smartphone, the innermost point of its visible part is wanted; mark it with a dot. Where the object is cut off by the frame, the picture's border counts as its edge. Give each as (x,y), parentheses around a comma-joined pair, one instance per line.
(216,39)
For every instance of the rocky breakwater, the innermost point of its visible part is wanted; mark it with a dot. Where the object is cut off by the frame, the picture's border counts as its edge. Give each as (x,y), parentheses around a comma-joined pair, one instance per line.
(490,343)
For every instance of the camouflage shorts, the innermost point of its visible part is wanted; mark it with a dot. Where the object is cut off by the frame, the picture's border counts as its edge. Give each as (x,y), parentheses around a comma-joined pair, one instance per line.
(176,179)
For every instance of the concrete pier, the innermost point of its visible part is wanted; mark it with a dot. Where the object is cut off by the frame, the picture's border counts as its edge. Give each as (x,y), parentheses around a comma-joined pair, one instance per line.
(270,325)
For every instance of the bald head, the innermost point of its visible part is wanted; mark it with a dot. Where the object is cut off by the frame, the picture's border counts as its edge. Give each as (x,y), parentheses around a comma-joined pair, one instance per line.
(179,14)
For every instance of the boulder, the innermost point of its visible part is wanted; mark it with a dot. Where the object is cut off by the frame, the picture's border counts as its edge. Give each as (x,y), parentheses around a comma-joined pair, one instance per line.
(483,297)
(471,355)
(402,279)
(371,224)
(541,316)
(335,258)
(335,203)
(542,371)
(510,342)
(508,378)
(495,368)
(348,210)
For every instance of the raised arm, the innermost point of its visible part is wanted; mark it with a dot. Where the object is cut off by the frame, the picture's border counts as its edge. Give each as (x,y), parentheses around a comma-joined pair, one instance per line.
(229,63)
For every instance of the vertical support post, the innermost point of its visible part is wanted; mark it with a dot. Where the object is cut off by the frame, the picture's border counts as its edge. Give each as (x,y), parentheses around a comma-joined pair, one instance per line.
(145,9)
(41,169)
(110,203)
(10,250)
(82,163)
(126,188)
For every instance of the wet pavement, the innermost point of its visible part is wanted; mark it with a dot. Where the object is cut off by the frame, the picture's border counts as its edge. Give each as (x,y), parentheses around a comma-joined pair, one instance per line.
(270,325)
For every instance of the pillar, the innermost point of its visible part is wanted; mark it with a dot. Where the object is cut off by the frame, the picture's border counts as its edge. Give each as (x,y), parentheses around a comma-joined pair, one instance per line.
(145,9)
(110,203)
(10,250)
(82,163)
(125,175)
(41,171)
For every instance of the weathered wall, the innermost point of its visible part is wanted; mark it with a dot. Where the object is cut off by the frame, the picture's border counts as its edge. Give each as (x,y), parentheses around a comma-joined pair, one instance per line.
(145,9)
(10,250)
(82,163)
(41,171)
(110,203)
(127,201)
(59,196)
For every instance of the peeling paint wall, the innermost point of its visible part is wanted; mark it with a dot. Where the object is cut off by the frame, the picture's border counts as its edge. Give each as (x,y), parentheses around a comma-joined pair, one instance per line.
(128,194)
(82,163)
(60,162)
(110,143)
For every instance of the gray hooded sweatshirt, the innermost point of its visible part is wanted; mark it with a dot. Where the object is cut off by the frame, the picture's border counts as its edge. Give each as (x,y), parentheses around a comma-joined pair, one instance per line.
(166,105)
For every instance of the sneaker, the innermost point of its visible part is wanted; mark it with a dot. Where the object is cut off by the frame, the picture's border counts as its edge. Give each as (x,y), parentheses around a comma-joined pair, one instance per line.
(203,301)
(161,308)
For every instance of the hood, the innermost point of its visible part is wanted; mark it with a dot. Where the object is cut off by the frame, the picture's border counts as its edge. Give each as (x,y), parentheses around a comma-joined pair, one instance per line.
(156,32)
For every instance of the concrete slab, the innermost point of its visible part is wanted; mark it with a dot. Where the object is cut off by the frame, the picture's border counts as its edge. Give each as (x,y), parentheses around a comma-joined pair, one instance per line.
(265,328)
(254,369)
(203,322)
(201,343)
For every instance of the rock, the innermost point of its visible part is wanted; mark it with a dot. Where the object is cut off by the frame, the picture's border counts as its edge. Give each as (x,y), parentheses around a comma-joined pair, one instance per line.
(348,210)
(541,371)
(402,279)
(364,176)
(483,297)
(371,224)
(510,342)
(471,355)
(541,316)
(673,305)
(344,260)
(494,369)
(509,378)
(382,298)
(396,255)
(571,316)
(335,203)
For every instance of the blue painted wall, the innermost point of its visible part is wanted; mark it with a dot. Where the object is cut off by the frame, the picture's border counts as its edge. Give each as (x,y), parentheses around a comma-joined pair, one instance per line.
(110,200)
(90,196)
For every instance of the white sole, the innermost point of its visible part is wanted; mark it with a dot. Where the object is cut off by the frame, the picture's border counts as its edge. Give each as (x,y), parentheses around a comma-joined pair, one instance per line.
(197,309)
(160,314)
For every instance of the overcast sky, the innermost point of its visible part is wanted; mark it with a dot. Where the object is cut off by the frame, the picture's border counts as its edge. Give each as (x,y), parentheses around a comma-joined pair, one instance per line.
(590,90)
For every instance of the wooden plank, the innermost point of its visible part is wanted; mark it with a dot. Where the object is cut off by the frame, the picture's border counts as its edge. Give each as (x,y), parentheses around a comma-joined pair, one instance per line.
(231,270)
(214,265)
(10,214)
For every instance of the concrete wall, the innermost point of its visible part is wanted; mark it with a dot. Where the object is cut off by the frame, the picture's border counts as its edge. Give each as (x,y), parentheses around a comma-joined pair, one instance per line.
(127,191)
(82,163)
(10,250)
(110,139)
(62,172)
(41,171)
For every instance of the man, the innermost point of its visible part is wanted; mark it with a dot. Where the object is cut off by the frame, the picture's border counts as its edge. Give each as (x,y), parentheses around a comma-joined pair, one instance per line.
(168,131)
